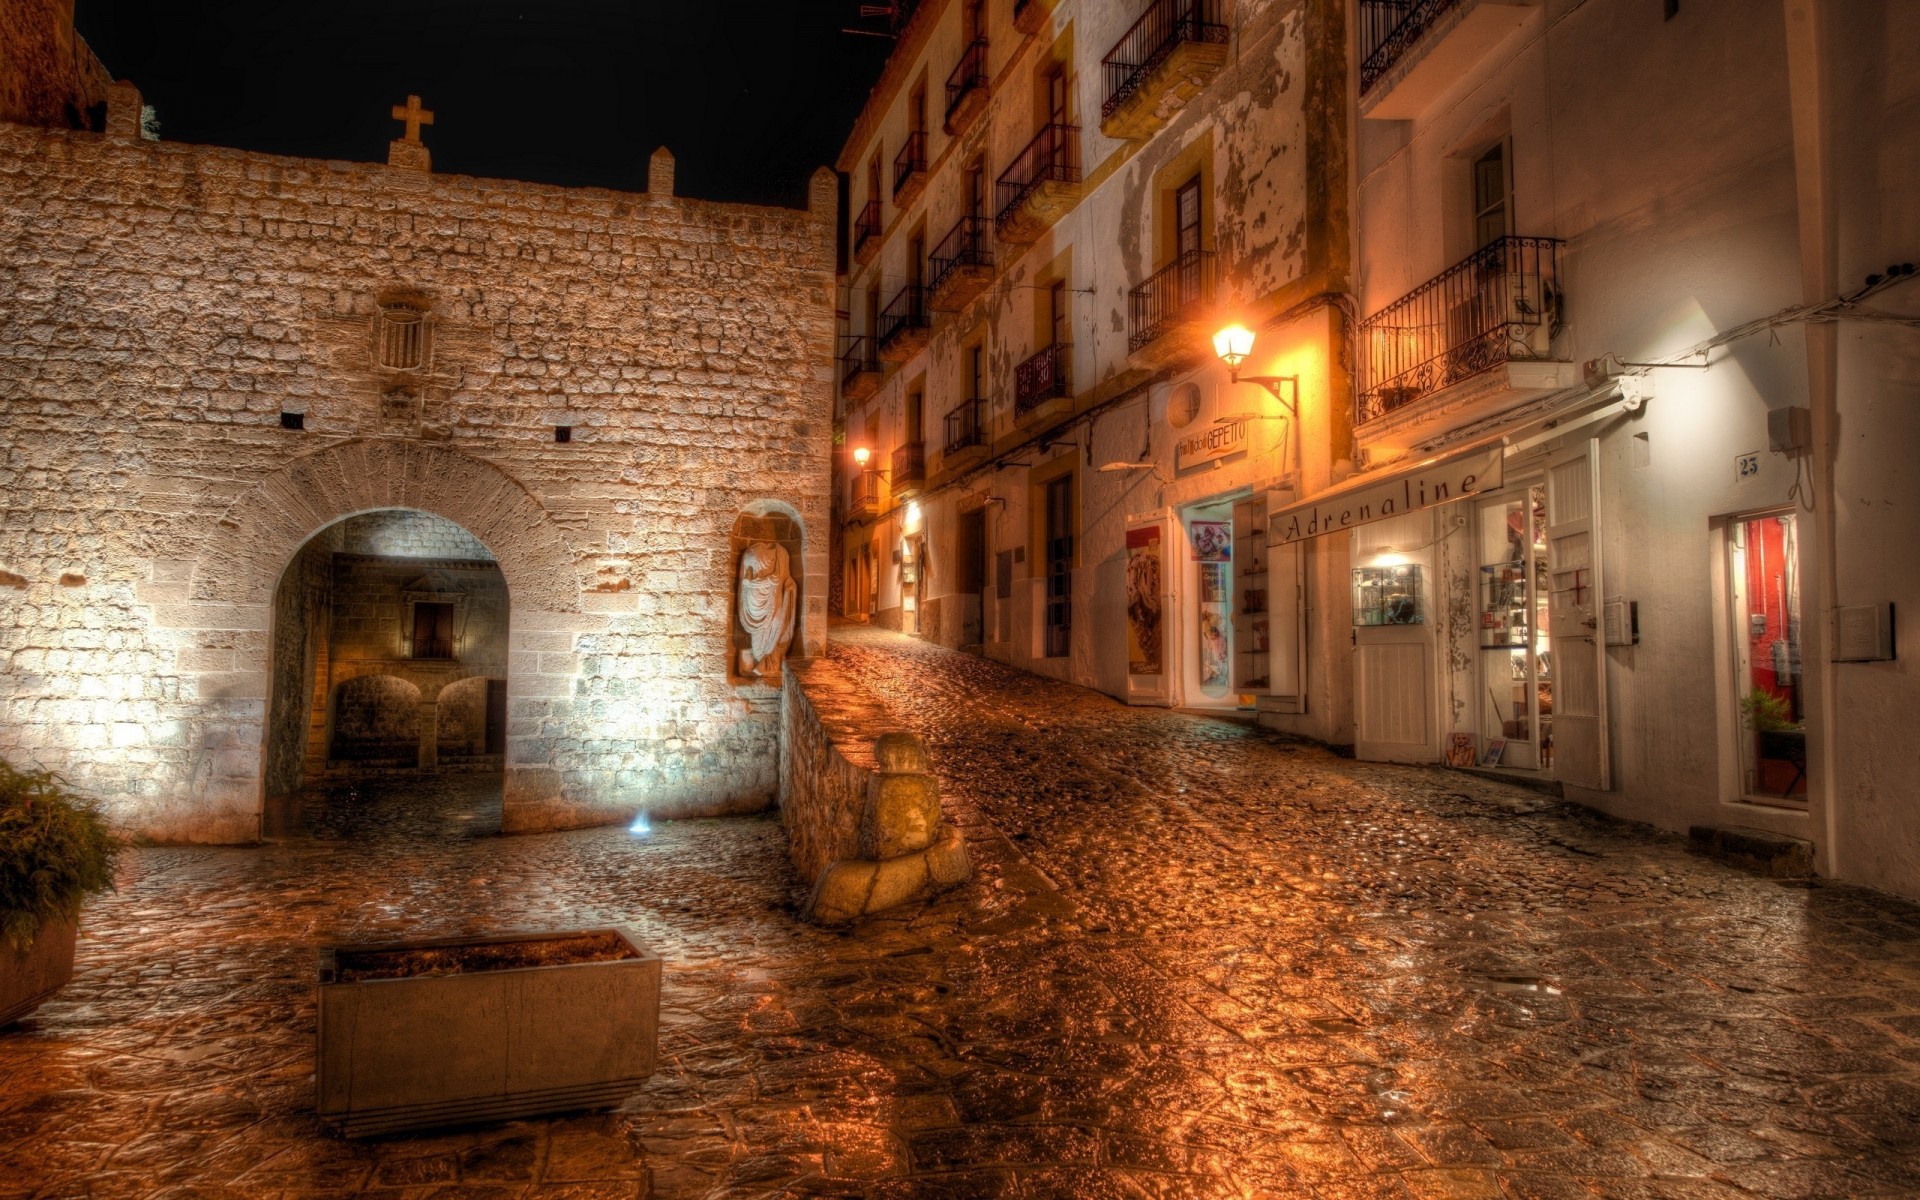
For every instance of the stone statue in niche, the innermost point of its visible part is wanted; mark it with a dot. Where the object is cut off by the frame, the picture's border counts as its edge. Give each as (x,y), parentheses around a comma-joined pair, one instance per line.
(766,610)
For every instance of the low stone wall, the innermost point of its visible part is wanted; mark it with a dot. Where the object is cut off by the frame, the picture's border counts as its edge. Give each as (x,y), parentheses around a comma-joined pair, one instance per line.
(861,809)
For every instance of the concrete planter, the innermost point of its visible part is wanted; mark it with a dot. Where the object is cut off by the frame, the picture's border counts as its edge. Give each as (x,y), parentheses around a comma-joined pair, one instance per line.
(28,980)
(463,1030)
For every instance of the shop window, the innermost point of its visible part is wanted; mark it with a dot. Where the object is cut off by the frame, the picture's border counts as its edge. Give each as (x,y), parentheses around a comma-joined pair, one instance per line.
(1516,662)
(1764,584)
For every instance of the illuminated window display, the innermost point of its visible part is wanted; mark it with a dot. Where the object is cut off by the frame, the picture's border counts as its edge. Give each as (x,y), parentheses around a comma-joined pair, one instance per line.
(1516,669)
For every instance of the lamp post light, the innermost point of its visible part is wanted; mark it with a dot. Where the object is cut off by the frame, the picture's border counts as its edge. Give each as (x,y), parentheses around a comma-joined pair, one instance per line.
(1233,344)
(860,455)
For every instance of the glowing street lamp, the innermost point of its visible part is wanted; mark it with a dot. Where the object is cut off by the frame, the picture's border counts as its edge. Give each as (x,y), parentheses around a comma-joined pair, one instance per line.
(1233,344)
(861,454)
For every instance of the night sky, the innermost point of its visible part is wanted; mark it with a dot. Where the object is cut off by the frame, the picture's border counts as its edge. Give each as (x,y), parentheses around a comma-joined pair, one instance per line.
(750,97)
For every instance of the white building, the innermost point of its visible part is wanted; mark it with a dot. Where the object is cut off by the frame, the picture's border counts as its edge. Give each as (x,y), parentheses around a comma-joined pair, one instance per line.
(1639,599)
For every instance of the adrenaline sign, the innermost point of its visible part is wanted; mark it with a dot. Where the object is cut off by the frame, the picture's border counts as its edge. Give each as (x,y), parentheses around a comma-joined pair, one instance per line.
(1436,481)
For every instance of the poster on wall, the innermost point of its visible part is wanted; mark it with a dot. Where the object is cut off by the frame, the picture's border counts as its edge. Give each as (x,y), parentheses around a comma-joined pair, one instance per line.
(1143,601)
(1212,540)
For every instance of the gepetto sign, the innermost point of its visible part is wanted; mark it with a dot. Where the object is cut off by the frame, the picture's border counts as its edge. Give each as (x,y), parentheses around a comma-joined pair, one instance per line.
(1439,481)
(1215,441)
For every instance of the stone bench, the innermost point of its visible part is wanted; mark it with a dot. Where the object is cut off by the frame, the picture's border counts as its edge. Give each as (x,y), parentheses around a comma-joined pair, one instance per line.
(861,810)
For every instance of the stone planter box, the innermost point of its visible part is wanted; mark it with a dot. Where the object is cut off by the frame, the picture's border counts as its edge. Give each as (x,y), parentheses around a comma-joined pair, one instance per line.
(28,980)
(464,1030)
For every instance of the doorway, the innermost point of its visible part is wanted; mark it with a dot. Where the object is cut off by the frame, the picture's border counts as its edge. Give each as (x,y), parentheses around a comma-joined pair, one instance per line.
(1207,606)
(1763,584)
(970,583)
(1515,690)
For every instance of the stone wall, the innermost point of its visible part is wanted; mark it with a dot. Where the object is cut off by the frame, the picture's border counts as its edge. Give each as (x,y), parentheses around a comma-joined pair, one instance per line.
(859,802)
(165,305)
(48,74)
(410,535)
(302,617)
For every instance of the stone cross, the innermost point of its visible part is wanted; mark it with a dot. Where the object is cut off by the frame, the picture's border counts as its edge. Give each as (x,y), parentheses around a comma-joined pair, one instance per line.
(414,116)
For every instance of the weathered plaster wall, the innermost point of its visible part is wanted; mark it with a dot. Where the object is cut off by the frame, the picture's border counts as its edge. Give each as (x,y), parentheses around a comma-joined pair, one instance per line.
(164,304)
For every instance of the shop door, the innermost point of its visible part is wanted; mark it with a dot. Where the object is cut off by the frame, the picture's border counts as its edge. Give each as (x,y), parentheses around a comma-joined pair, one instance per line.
(1150,608)
(1393,677)
(1574,583)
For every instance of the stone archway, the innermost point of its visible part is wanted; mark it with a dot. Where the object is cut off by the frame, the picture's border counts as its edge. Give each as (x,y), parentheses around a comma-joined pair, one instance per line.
(229,603)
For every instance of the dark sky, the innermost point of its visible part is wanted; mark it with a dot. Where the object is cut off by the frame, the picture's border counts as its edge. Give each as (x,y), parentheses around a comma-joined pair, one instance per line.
(750,97)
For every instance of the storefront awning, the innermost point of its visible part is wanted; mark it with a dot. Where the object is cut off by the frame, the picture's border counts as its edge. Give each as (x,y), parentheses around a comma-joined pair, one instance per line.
(1402,489)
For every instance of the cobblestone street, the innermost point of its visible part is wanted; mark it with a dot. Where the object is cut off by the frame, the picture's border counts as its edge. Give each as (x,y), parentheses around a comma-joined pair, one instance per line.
(1196,960)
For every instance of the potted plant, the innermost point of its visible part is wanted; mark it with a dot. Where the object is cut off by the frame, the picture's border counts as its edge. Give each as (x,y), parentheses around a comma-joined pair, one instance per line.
(1777,736)
(55,851)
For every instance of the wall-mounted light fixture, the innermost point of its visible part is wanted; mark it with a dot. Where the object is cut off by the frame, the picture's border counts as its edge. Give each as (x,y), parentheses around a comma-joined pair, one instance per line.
(1233,344)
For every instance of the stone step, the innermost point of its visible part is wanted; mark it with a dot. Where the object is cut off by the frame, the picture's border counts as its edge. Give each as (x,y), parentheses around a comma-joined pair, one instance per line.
(1775,855)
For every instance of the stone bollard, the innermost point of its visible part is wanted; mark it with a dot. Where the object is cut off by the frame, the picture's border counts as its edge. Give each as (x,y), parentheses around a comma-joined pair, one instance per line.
(906,851)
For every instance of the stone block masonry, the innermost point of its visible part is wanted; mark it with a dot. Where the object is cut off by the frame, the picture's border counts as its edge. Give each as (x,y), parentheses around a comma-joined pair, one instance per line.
(170,313)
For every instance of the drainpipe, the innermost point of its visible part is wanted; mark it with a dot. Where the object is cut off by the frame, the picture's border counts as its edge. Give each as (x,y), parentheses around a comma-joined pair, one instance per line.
(1807,69)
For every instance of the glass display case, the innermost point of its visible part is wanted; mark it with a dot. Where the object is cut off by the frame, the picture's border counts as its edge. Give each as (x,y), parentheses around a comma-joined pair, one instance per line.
(1388,595)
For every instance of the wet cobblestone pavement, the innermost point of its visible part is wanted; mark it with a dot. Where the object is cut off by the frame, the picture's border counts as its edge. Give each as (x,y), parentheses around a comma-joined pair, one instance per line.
(1196,961)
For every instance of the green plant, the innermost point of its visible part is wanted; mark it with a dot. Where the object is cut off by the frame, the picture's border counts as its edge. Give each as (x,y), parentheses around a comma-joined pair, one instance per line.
(55,851)
(1765,712)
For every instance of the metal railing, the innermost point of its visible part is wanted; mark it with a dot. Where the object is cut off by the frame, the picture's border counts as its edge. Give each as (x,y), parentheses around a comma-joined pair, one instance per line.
(1053,155)
(911,160)
(1389,28)
(865,497)
(1175,293)
(857,354)
(966,245)
(909,466)
(907,310)
(1042,377)
(1499,305)
(967,425)
(867,224)
(971,73)
(1161,30)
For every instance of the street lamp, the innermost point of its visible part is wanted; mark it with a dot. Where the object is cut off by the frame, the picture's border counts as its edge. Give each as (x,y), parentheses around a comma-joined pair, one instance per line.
(1233,344)
(861,454)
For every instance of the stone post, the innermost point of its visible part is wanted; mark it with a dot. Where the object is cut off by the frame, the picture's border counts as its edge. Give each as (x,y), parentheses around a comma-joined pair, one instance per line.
(660,174)
(123,112)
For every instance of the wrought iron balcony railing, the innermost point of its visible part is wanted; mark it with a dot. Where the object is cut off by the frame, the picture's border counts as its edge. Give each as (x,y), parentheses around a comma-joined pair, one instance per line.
(867,224)
(1154,37)
(909,467)
(967,426)
(1052,155)
(906,311)
(1178,292)
(1389,28)
(1500,305)
(911,161)
(971,73)
(857,355)
(865,495)
(1042,377)
(966,245)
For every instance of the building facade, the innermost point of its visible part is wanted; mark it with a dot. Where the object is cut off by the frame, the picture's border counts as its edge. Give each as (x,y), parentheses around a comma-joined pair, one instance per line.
(209,358)
(1054,206)
(1645,484)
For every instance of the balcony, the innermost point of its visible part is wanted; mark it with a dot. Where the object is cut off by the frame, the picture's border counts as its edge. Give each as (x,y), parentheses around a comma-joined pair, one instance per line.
(1167,315)
(910,169)
(1030,16)
(967,87)
(1171,53)
(864,500)
(904,324)
(1042,184)
(1043,386)
(961,266)
(1499,307)
(859,368)
(909,475)
(866,232)
(966,435)
(1413,50)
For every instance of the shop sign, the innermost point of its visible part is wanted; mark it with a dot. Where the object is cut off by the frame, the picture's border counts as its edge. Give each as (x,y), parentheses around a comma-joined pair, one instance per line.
(1438,481)
(1205,445)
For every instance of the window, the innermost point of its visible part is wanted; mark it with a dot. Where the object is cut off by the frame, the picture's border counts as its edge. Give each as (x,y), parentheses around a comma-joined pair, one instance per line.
(1492,196)
(977,189)
(1059,314)
(973,21)
(873,179)
(917,260)
(976,371)
(1763,577)
(1056,93)
(432,630)
(915,417)
(917,108)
